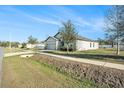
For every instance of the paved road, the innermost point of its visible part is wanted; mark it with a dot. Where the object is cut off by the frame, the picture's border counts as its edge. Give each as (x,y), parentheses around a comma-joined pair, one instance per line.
(1,57)
(100,63)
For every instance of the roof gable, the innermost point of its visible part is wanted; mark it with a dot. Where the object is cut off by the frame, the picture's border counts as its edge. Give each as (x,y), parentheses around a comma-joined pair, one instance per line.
(58,35)
(51,37)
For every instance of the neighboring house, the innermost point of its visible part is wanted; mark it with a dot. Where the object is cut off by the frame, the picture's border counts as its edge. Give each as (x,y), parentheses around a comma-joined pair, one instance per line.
(29,46)
(82,43)
(40,46)
(37,46)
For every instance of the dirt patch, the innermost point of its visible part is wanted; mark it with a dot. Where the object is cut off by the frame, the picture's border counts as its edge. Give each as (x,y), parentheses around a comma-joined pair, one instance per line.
(101,76)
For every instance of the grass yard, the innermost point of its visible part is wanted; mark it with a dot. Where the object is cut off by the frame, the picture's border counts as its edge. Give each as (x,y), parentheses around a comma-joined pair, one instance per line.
(98,51)
(108,55)
(8,50)
(103,51)
(28,73)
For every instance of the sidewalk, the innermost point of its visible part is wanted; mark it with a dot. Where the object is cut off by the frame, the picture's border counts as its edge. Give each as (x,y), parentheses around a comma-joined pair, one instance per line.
(94,62)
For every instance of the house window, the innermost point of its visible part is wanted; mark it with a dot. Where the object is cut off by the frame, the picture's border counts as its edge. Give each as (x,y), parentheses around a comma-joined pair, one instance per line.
(90,44)
(93,44)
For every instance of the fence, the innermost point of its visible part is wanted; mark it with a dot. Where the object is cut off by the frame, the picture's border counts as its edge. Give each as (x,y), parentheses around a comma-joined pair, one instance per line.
(110,46)
(1,58)
(105,46)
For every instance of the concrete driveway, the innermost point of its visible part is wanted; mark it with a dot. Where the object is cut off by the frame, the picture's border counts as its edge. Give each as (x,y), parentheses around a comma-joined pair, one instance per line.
(83,60)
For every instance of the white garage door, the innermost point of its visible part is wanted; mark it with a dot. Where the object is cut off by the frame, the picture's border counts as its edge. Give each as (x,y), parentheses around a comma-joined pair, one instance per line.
(51,45)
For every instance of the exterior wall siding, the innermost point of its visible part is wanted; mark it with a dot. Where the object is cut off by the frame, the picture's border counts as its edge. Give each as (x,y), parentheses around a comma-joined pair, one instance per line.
(86,45)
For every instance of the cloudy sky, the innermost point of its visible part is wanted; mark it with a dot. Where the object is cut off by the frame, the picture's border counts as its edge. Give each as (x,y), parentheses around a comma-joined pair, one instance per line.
(19,22)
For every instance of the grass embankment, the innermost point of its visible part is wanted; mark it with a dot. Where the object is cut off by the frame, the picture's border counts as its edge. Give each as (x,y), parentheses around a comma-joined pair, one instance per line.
(107,55)
(26,72)
(100,75)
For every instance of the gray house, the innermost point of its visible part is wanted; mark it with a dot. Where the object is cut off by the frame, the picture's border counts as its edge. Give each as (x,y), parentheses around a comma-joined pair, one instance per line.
(82,43)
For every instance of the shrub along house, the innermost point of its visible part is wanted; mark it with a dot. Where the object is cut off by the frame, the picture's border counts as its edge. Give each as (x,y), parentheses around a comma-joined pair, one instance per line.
(82,43)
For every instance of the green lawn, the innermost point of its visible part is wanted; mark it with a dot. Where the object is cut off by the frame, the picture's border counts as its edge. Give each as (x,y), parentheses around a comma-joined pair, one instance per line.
(97,51)
(103,51)
(26,72)
(8,50)
(108,55)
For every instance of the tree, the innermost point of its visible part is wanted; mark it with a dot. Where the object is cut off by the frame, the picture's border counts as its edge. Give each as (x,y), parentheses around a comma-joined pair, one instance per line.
(7,43)
(15,44)
(114,24)
(101,41)
(32,40)
(110,40)
(4,43)
(68,34)
(23,45)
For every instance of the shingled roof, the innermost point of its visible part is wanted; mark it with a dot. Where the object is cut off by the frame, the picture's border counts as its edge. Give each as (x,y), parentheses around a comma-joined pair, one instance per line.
(79,38)
(83,38)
